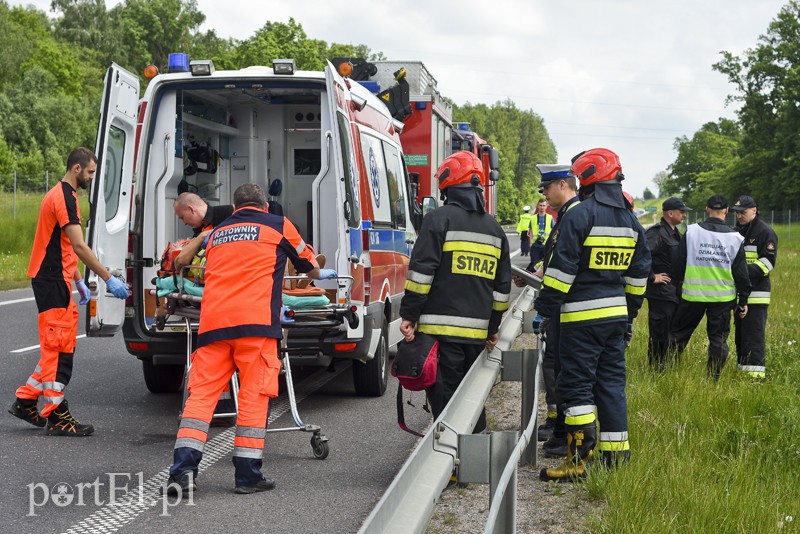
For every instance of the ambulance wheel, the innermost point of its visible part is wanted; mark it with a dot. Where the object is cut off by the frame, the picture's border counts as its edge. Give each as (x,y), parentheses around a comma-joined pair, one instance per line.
(319,447)
(370,379)
(162,378)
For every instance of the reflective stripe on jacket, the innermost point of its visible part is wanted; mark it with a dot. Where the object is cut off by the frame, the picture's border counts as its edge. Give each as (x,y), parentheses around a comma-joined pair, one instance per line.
(761,252)
(459,276)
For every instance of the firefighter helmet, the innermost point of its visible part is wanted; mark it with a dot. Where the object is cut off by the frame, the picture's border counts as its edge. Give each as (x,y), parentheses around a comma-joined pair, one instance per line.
(596,165)
(462,168)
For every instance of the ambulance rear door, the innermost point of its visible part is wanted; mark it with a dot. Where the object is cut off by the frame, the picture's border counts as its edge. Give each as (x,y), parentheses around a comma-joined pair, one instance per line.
(111,189)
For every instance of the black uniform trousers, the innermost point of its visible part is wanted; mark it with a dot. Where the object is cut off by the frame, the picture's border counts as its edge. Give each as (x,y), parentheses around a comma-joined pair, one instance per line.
(537,254)
(455,360)
(592,371)
(750,335)
(524,244)
(551,363)
(718,327)
(660,314)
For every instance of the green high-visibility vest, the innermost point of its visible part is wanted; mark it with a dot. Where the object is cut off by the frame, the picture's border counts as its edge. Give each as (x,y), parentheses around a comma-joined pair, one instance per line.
(709,261)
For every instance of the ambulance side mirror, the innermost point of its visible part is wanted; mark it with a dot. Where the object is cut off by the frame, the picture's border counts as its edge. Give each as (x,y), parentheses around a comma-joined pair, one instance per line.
(428,205)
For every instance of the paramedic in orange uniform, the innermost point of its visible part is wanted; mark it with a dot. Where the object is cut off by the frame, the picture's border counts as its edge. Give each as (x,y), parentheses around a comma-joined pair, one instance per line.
(57,246)
(239,328)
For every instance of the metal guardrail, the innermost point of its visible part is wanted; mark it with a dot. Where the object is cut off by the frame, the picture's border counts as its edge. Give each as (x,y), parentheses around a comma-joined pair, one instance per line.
(407,505)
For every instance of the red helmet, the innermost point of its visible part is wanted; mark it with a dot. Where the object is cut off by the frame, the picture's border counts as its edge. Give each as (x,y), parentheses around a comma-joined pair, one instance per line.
(628,199)
(596,165)
(461,168)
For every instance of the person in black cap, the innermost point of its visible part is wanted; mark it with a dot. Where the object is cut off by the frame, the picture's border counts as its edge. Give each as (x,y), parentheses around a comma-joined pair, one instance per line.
(761,251)
(711,265)
(662,295)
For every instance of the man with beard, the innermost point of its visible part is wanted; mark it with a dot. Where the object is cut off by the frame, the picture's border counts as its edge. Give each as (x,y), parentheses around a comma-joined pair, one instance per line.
(53,266)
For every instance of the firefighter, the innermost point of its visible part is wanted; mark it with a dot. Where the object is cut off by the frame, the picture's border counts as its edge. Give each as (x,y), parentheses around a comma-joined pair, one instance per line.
(761,251)
(523,227)
(558,185)
(239,329)
(53,267)
(662,295)
(595,279)
(712,267)
(541,225)
(459,277)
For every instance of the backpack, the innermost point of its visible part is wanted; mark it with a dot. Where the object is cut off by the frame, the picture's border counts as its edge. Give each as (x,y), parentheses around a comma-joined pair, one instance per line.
(415,367)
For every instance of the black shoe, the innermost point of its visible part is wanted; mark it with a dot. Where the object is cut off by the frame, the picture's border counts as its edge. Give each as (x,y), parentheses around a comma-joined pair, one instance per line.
(27,411)
(545,431)
(265,484)
(61,423)
(555,447)
(179,484)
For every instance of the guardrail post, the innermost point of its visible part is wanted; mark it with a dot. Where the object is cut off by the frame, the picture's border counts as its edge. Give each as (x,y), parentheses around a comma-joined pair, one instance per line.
(502,446)
(530,387)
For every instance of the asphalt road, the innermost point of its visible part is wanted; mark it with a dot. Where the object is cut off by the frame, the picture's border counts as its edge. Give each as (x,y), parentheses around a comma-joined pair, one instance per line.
(109,482)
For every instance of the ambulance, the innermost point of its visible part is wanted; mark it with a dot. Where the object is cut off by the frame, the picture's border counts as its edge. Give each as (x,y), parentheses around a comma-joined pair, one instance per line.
(328,151)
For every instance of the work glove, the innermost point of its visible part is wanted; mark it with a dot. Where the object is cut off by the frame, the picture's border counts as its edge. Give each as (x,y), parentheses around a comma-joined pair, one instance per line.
(117,287)
(537,323)
(628,336)
(544,324)
(285,317)
(83,291)
(325,274)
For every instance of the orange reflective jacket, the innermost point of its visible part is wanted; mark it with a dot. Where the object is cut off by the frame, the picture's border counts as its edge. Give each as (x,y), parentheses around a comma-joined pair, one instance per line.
(245,260)
(53,257)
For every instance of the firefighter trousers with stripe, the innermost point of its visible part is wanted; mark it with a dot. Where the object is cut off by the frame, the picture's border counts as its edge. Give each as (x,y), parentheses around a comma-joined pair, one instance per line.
(718,327)
(256,358)
(592,373)
(58,330)
(750,339)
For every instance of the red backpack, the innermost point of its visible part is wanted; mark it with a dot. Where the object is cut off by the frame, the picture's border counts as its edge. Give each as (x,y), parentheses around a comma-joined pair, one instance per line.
(415,367)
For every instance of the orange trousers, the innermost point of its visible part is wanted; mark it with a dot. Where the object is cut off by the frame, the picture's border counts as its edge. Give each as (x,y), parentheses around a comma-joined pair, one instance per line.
(256,358)
(58,329)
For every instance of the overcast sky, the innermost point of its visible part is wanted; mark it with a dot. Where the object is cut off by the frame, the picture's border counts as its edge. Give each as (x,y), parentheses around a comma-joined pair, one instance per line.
(622,74)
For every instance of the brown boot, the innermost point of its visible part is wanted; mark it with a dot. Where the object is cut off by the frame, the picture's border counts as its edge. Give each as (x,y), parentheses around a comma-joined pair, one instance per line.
(580,449)
(61,423)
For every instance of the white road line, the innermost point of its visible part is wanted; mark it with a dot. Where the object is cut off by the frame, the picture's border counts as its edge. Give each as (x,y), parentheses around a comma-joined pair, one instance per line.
(6,303)
(111,517)
(34,347)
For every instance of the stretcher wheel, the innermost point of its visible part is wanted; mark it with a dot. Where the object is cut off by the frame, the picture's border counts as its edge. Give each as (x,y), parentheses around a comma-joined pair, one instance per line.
(320,447)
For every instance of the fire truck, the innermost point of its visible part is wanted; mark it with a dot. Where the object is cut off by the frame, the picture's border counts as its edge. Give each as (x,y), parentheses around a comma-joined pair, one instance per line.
(466,139)
(411,93)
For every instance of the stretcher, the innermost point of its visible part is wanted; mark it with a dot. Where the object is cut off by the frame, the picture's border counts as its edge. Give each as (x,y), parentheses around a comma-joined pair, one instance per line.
(186,307)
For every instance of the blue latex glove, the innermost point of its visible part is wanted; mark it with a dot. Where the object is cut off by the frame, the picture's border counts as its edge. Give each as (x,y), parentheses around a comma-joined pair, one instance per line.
(327,273)
(285,319)
(83,291)
(537,321)
(117,287)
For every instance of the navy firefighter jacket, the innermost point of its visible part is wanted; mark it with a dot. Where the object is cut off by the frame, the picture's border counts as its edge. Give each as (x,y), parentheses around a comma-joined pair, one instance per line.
(600,263)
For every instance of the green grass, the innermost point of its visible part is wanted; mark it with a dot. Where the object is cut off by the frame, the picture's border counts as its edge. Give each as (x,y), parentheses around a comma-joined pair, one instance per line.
(712,457)
(16,239)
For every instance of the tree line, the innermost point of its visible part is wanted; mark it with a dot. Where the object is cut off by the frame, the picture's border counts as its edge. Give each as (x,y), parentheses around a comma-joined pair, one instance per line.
(759,153)
(52,67)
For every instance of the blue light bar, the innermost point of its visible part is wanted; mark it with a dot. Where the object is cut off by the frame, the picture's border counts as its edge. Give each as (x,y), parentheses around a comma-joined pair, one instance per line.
(464,126)
(178,62)
(372,87)
(421,105)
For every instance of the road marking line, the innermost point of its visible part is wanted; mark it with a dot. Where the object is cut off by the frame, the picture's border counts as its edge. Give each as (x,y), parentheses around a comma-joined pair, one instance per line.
(24,300)
(34,347)
(133,503)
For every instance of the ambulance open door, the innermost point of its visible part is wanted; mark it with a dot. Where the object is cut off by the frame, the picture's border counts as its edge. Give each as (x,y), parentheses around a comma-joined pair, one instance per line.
(110,196)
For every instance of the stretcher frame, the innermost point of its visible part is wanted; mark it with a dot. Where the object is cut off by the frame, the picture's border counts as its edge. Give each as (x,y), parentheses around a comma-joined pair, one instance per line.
(181,304)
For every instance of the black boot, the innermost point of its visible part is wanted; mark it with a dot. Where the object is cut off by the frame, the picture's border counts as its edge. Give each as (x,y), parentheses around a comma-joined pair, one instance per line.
(545,431)
(580,449)
(26,410)
(61,423)
(555,447)
(614,459)
(179,484)
(265,484)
